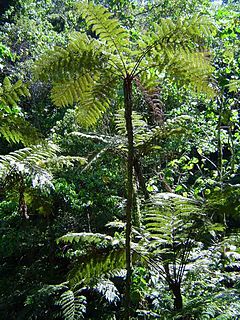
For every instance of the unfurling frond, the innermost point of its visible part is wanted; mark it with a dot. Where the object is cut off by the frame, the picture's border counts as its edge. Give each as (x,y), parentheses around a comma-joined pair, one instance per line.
(10,93)
(73,305)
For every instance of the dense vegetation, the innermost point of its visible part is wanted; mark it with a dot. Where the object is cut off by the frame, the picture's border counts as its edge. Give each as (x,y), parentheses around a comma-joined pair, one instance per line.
(119,165)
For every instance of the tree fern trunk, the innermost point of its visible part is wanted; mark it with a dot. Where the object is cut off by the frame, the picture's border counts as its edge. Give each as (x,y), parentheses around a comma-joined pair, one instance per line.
(178,302)
(130,190)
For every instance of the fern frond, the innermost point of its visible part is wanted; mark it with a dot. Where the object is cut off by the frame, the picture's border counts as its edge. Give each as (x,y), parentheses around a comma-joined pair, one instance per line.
(106,254)
(10,93)
(193,69)
(73,306)
(106,27)
(16,129)
(108,290)
(59,162)
(81,56)
(90,238)
(27,162)
(91,107)
(171,219)
(99,265)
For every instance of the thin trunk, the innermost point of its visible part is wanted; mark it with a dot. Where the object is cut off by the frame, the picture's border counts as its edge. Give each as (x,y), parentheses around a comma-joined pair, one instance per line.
(220,149)
(139,174)
(130,190)
(176,290)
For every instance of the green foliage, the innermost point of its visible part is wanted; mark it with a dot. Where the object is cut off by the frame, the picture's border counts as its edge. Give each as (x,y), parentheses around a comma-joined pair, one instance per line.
(72,305)
(15,128)
(176,136)
(106,27)
(103,255)
(82,72)
(27,162)
(10,93)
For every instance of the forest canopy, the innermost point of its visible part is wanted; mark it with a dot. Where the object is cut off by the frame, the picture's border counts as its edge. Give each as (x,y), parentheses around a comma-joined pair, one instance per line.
(119,159)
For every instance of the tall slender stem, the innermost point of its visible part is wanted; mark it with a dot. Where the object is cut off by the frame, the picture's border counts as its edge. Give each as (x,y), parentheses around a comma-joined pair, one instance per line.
(128,104)
(220,150)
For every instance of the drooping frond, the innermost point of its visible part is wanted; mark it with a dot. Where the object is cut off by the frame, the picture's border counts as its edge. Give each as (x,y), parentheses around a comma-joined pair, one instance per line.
(73,305)
(15,128)
(108,290)
(28,163)
(170,50)
(76,79)
(10,93)
(97,266)
(192,69)
(104,255)
(91,106)
(108,29)
(80,57)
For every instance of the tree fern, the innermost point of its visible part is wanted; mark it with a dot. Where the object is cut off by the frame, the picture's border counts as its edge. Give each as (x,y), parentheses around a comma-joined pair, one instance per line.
(15,129)
(171,50)
(24,167)
(108,290)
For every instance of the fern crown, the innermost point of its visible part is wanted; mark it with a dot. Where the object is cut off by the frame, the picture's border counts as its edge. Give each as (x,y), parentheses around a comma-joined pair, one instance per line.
(88,71)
